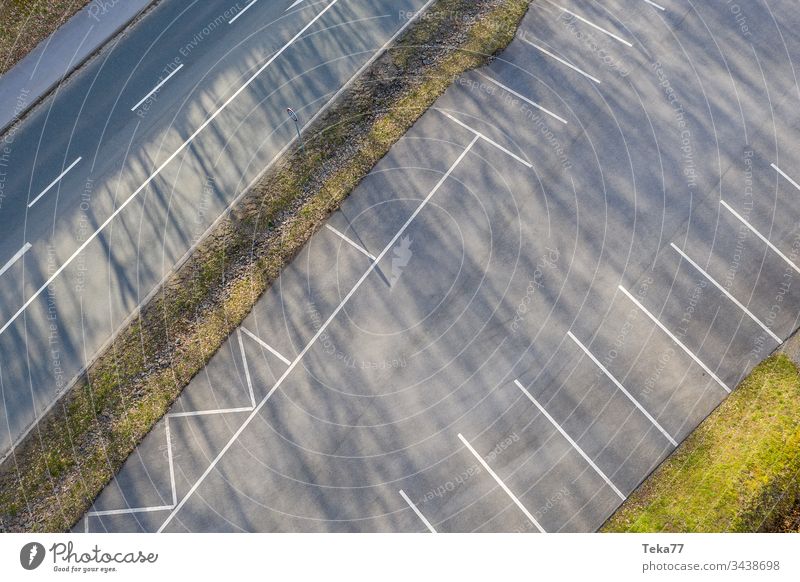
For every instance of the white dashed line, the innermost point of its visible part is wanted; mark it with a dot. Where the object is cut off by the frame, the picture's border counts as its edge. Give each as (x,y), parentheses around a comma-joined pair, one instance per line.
(417,511)
(53,183)
(352,243)
(592,24)
(572,442)
(525,99)
(675,339)
(157,87)
(503,485)
(560,60)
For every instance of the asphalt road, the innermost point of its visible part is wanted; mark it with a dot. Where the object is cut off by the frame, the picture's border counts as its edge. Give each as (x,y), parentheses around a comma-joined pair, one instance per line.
(545,286)
(109,183)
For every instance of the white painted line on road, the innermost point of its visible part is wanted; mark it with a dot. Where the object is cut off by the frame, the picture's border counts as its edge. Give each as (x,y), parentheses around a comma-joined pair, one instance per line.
(483,137)
(295,3)
(267,347)
(619,385)
(209,412)
(727,294)
(785,175)
(183,146)
(525,99)
(129,510)
(503,485)
(761,236)
(171,462)
(592,24)
(675,339)
(54,182)
(319,332)
(569,439)
(157,87)
(86,524)
(245,9)
(560,60)
(352,243)
(246,367)
(15,258)
(417,511)
(651,3)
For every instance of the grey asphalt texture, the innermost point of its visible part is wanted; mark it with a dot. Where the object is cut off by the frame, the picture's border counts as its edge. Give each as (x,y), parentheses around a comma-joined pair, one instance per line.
(529,343)
(143,188)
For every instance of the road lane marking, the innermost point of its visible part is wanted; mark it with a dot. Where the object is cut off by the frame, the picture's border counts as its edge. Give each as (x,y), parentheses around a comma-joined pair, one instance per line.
(319,332)
(592,24)
(727,294)
(572,442)
(210,412)
(761,236)
(144,185)
(560,60)
(785,175)
(15,258)
(619,385)
(54,182)
(246,367)
(500,482)
(352,243)
(267,347)
(483,137)
(129,510)
(651,3)
(675,339)
(171,462)
(295,3)
(417,511)
(157,87)
(525,99)
(245,9)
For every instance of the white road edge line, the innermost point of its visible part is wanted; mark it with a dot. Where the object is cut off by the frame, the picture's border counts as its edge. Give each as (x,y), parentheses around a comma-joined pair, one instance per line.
(245,9)
(417,511)
(352,243)
(727,294)
(316,336)
(54,182)
(15,258)
(560,60)
(246,367)
(785,175)
(761,236)
(266,346)
(571,442)
(525,99)
(486,139)
(592,24)
(675,339)
(502,485)
(651,3)
(619,385)
(183,146)
(157,87)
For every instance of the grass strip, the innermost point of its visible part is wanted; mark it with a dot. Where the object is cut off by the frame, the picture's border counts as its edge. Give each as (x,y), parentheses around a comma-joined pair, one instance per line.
(739,471)
(72,454)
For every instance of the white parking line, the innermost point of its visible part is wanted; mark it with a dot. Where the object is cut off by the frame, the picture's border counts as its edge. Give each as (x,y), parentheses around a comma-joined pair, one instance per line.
(295,3)
(727,294)
(246,367)
(266,346)
(245,9)
(164,164)
(129,510)
(417,511)
(785,175)
(503,485)
(761,236)
(651,3)
(592,24)
(157,87)
(619,385)
(54,182)
(15,258)
(486,139)
(560,60)
(319,332)
(675,339)
(210,412)
(352,243)
(569,439)
(525,99)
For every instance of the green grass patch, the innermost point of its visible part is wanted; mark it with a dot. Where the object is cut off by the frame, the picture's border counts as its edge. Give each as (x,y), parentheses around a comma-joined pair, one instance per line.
(739,471)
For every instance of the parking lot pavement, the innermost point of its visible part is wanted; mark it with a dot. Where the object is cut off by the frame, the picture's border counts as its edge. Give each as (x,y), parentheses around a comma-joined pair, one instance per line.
(542,289)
